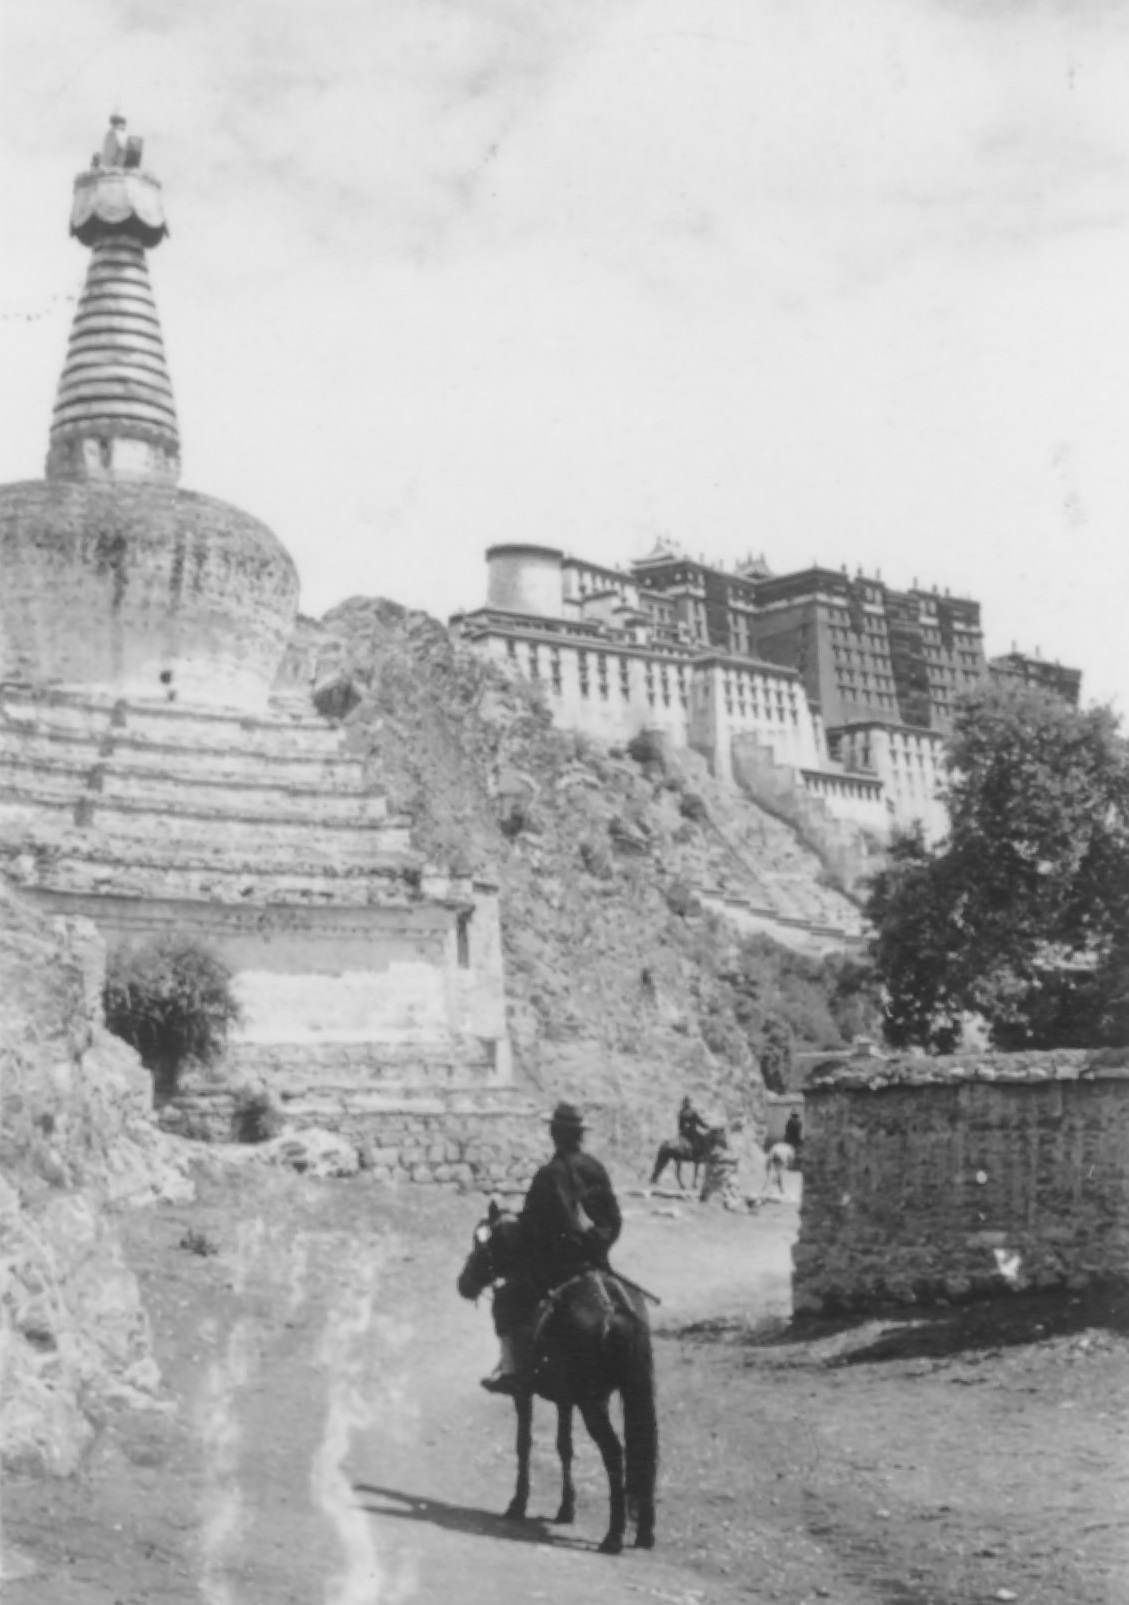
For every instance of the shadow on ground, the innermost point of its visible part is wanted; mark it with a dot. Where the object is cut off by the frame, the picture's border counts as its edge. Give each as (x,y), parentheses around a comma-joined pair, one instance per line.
(466,1518)
(891,1332)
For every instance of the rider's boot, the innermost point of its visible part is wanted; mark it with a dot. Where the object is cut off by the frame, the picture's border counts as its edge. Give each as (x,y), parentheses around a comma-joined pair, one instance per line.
(506,1377)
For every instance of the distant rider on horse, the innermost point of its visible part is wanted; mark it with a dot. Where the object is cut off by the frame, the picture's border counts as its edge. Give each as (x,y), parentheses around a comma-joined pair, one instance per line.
(691,1126)
(568,1224)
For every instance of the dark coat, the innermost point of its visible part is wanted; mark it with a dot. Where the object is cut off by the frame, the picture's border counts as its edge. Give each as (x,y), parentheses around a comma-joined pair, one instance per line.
(571,1217)
(691,1127)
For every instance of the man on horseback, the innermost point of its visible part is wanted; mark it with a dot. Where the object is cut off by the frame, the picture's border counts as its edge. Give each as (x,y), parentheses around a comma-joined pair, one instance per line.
(567,1226)
(572,1332)
(691,1126)
(695,1139)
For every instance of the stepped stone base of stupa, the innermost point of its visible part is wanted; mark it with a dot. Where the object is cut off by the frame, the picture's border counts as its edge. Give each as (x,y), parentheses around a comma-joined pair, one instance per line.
(371,983)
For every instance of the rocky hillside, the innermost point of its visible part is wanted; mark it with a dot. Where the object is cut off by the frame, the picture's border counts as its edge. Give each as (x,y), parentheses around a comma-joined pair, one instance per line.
(621,986)
(76,1139)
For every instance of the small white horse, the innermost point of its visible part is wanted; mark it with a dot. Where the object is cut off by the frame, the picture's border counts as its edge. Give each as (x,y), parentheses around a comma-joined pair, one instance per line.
(779,1158)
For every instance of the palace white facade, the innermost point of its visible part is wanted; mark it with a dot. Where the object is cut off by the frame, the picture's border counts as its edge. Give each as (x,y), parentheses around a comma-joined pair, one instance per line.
(616,657)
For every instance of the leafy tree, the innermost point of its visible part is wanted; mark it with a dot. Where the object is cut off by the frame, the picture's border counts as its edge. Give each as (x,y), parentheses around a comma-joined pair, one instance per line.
(1022,915)
(774,1053)
(917,947)
(172,1000)
(853,995)
(783,1001)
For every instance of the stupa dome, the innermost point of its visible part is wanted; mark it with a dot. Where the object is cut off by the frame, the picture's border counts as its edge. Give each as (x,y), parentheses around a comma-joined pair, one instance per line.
(114,578)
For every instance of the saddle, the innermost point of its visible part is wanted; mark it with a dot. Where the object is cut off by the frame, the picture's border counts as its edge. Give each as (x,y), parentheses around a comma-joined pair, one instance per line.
(612,1296)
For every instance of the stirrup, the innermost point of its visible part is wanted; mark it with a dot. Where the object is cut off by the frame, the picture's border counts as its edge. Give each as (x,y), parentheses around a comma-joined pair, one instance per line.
(509,1382)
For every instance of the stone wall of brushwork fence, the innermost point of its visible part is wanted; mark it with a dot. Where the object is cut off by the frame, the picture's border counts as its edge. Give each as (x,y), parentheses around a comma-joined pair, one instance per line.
(947,1179)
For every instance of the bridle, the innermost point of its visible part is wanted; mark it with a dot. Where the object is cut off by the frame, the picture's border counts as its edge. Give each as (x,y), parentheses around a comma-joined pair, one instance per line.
(484,1253)
(484,1248)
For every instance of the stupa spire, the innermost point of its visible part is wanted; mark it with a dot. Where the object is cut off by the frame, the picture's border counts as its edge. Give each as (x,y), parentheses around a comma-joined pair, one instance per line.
(114,415)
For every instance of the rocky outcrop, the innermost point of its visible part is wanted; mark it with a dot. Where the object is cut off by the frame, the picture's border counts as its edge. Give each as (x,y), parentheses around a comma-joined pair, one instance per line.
(615,976)
(76,1138)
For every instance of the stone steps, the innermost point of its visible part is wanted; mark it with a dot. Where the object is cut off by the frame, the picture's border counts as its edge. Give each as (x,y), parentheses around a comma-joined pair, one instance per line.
(793,930)
(381,1082)
(136,755)
(357,1073)
(123,829)
(317,1104)
(105,781)
(168,723)
(321,1106)
(274,801)
(387,880)
(347,1056)
(788,898)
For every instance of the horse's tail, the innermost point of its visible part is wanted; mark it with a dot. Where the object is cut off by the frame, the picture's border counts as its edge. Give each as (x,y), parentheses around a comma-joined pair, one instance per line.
(640,1423)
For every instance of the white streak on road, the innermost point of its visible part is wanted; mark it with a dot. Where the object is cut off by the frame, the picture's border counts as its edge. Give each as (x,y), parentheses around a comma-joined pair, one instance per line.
(224,1514)
(248,1251)
(298,1270)
(346,1352)
(220,1434)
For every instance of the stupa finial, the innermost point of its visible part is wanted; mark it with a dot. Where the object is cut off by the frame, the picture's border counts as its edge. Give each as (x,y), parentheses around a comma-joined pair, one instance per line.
(114,197)
(118,150)
(114,414)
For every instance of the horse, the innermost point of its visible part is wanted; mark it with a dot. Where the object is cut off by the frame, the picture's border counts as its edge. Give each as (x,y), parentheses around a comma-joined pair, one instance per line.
(779,1157)
(685,1151)
(593,1341)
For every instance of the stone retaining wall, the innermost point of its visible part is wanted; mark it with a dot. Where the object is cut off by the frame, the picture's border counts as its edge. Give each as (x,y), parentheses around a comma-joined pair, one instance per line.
(946,1179)
(488,1141)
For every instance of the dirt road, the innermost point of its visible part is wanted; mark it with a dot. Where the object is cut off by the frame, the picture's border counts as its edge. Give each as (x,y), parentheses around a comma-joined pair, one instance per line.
(332,1446)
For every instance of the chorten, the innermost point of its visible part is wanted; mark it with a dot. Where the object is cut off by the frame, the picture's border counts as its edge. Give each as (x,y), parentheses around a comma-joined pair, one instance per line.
(150,784)
(115,579)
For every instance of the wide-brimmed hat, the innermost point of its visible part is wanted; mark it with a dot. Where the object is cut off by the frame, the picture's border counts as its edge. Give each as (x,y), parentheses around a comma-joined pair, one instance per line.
(568,1116)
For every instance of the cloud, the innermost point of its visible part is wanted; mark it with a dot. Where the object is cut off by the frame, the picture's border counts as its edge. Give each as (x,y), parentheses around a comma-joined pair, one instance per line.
(836,281)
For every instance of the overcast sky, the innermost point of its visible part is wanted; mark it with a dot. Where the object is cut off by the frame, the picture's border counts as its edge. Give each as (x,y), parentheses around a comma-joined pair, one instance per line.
(833,280)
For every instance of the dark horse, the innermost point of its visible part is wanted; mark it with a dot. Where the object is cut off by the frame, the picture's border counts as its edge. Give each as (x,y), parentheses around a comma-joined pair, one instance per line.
(684,1151)
(593,1342)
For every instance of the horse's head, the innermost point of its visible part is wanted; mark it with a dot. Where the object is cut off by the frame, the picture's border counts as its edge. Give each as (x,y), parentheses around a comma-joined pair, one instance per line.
(492,1254)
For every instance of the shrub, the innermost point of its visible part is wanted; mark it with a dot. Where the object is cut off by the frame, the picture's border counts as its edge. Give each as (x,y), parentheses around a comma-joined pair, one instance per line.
(682,900)
(774,1051)
(596,860)
(256,1116)
(513,820)
(647,749)
(173,1001)
(693,806)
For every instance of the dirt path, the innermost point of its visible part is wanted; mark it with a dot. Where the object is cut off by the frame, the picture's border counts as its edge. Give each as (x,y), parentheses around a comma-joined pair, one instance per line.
(442,1481)
(332,1446)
